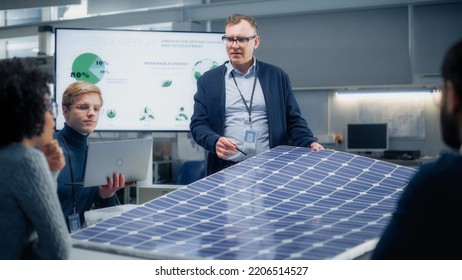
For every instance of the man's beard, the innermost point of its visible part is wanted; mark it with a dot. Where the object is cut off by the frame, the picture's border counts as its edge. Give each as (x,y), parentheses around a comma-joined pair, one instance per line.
(449,128)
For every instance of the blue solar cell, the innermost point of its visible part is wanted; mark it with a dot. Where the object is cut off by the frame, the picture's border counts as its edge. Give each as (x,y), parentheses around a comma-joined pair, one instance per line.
(288,207)
(370,177)
(343,194)
(306,198)
(339,216)
(204,213)
(129,240)
(368,199)
(322,190)
(381,208)
(182,222)
(108,236)
(279,179)
(314,175)
(134,225)
(139,212)
(274,165)
(349,171)
(162,204)
(332,202)
(383,167)
(204,185)
(88,233)
(357,186)
(185,194)
(336,181)
(286,203)
(115,221)
(354,206)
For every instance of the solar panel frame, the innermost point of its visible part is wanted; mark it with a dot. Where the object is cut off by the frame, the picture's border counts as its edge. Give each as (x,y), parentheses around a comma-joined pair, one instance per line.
(286,203)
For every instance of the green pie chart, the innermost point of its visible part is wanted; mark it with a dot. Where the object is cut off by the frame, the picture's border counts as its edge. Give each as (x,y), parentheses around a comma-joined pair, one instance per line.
(88,67)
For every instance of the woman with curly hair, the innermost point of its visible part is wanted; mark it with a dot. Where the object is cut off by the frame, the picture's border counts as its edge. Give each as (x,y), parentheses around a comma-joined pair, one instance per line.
(32,225)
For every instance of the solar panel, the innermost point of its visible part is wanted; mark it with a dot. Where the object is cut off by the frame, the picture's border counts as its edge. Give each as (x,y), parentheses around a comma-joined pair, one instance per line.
(286,203)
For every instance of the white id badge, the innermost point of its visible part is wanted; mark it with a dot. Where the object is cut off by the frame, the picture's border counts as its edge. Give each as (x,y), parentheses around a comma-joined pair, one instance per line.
(74,222)
(250,141)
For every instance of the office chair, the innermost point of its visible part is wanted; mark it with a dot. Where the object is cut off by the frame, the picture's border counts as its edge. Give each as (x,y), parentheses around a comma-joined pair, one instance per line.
(191,171)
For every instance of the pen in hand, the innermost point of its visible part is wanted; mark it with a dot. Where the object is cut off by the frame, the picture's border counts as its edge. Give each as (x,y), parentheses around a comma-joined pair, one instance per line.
(244,153)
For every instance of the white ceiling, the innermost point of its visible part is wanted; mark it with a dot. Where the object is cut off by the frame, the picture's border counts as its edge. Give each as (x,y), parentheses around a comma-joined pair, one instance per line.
(19,20)
(112,13)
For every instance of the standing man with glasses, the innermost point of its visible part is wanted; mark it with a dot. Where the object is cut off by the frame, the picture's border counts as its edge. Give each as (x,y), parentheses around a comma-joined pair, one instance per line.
(81,106)
(245,106)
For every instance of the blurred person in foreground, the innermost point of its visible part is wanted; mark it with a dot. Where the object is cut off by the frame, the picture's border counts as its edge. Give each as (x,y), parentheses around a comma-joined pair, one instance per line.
(245,106)
(425,222)
(32,223)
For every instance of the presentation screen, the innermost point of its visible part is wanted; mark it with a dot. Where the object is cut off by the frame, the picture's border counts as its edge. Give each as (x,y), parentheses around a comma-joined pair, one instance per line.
(148,78)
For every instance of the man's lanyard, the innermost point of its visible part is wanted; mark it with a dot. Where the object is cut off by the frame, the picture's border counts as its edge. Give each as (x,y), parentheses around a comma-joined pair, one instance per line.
(74,200)
(249,108)
(74,203)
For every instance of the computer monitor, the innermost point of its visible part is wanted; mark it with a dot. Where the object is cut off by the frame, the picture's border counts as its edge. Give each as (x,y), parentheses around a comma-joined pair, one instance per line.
(367,137)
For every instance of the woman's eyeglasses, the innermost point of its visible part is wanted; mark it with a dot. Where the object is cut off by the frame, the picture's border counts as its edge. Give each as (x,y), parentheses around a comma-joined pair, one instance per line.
(52,107)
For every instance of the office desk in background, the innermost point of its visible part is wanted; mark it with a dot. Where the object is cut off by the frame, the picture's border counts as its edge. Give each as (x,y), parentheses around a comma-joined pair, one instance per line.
(148,193)
(156,168)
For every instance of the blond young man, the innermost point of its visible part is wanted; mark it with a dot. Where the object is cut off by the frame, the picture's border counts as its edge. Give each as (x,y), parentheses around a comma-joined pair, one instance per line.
(81,107)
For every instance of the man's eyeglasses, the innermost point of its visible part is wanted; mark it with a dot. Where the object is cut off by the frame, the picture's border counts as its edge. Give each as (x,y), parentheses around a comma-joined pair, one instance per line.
(238,40)
(86,108)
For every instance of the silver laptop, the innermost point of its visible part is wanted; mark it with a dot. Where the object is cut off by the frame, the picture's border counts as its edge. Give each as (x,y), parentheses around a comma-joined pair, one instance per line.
(129,157)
